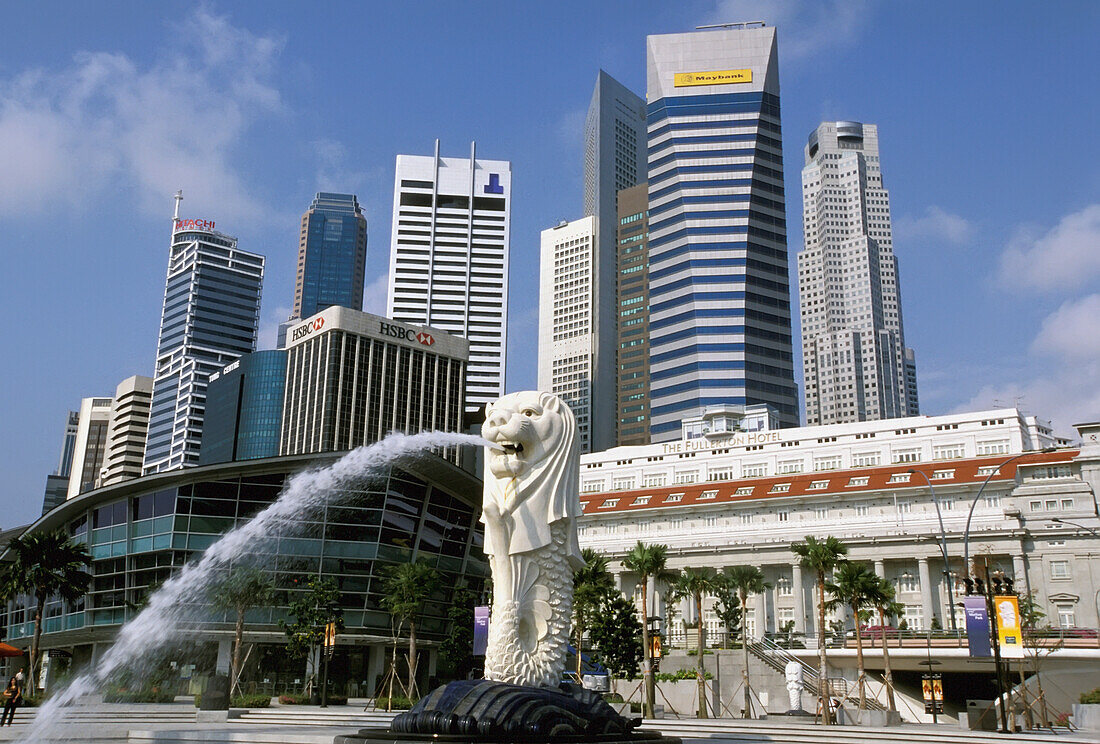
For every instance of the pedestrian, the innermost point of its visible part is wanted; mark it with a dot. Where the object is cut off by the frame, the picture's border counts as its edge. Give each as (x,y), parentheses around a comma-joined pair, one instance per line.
(19,677)
(13,696)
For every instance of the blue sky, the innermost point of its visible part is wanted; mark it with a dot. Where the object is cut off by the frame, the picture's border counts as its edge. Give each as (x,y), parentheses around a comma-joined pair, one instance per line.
(987,114)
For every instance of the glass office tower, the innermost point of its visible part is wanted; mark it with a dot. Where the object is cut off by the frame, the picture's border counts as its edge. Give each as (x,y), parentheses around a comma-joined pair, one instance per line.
(720,317)
(211,313)
(332,255)
(244,409)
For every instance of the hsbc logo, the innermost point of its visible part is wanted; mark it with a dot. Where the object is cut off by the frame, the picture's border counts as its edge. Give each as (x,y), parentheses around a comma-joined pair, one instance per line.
(392,330)
(307,328)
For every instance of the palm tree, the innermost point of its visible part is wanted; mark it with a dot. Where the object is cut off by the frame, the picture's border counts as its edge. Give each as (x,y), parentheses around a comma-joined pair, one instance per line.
(239,591)
(855,585)
(746,580)
(44,565)
(592,586)
(406,587)
(821,556)
(882,597)
(647,560)
(694,584)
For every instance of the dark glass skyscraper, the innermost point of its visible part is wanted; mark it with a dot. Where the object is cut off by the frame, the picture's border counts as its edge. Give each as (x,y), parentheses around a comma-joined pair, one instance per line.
(332,255)
(244,409)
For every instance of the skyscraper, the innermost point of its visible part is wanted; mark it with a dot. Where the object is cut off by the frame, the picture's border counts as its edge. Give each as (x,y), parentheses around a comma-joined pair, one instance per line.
(614,159)
(90,445)
(127,430)
(855,363)
(449,257)
(632,391)
(211,313)
(720,330)
(244,409)
(57,482)
(567,338)
(332,255)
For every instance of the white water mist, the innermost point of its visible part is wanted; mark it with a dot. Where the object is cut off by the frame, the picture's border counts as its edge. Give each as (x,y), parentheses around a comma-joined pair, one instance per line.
(178,599)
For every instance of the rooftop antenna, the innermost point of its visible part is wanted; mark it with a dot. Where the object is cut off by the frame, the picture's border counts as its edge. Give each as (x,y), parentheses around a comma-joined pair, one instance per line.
(176,214)
(740,24)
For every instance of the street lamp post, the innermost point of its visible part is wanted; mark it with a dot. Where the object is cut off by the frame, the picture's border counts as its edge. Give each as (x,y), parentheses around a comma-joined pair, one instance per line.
(974,503)
(943,549)
(1059,520)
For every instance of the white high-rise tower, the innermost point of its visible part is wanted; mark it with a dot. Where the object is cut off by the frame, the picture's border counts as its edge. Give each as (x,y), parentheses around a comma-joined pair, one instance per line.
(449,257)
(855,362)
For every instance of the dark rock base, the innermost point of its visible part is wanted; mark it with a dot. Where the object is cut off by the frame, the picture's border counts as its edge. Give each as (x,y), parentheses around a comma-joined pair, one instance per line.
(500,713)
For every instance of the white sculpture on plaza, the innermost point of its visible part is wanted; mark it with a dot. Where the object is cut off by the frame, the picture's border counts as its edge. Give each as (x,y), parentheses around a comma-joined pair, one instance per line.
(530,509)
(793,673)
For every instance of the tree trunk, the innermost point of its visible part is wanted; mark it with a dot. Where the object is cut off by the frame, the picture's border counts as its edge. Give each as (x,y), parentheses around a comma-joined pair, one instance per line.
(647,659)
(887,675)
(859,658)
(747,711)
(700,670)
(238,637)
(823,676)
(412,662)
(580,641)
(36,643)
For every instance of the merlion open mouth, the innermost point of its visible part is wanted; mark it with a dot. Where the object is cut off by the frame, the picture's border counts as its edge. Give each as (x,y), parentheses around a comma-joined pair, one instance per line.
(511,448)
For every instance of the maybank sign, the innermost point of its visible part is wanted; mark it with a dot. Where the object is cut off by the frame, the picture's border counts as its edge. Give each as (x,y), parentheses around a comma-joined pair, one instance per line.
(714,77)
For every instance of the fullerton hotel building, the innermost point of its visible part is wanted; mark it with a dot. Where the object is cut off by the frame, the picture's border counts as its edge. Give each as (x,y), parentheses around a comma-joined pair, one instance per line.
(737,490)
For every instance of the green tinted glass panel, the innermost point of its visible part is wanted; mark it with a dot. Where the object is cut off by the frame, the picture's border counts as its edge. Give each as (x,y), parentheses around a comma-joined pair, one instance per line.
(101,551)
(210,525)
(163,524)
(163,542)
(141,544)
(200,542)
(101,535)
(179,542)
(142,528)
(118,532)
(118,549)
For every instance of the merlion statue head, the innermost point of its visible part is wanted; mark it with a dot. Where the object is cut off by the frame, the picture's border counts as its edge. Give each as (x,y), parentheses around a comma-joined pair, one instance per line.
(537,434)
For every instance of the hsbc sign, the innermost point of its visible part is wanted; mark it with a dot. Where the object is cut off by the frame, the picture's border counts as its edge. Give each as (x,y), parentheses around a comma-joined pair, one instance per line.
(307,328)
(392,330)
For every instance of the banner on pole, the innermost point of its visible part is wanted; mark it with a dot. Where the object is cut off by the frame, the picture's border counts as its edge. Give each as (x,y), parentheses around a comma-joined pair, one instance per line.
(481,630)
(1009,632)
(977,626)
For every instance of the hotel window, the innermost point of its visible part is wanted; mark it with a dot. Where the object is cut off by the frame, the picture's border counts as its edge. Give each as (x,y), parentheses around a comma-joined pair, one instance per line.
(783,586)
(866,459)
(724,474)
(827,463)
(904,507)
(708,495)
(907,582)
(1052,505)
(609,503)
(676,523)
(643,526)
(746,519)
(673,498)
(1059,570)
(710,521)
(744,491)
(993,447)
(899,478)
(592,486)
(685,477)
(1035,505)
(755,470)
(790,466)
(821,512)
(1067,617)
(783,515)
(947,504)
(780,488)
(859,481)
(654,480)
(818,485)
(613,529)
(1067,504)
(902,456)
(914,618)
(948,452)
(943,475)
(785,616)
(987,470)
(862,510)
(641,501)
(622,484)
(1052,471)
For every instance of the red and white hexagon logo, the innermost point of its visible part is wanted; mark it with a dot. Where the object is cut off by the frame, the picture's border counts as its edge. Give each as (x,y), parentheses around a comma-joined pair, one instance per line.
(425,338)
(317,324)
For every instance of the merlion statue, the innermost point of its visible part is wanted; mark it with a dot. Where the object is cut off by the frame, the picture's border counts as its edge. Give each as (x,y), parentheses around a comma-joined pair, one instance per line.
(793,673)
(529,510)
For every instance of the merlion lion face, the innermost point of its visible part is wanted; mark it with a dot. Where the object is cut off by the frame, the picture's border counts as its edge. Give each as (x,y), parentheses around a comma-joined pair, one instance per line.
(528,426)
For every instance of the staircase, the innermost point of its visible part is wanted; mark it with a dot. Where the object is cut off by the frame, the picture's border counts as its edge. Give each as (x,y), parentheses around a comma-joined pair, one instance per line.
(777,657)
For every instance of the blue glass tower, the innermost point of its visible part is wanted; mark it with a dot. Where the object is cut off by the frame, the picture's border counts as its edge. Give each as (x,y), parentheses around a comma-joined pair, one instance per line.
(720,316)
(244,409)
(332,255)
(210,317)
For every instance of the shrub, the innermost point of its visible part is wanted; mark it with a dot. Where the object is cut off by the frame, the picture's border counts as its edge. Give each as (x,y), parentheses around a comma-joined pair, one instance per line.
(679,675)
(1091,698)
(613,697)
(635,707)
(147,695)
(292,698)
(250,701)
(397,702)
(30,702)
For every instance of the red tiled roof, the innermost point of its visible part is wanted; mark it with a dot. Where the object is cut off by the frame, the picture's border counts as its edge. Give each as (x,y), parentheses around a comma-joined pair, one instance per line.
(966,471)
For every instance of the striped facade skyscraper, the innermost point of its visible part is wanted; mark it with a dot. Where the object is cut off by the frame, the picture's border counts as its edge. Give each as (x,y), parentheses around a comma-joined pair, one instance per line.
(855,363)
(720,323)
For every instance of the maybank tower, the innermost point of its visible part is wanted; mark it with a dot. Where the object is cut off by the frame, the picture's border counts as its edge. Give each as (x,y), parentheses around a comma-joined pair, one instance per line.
(720,316)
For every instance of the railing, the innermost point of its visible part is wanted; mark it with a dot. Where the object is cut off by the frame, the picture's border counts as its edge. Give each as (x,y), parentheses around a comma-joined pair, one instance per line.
(777,657)
(1047,638)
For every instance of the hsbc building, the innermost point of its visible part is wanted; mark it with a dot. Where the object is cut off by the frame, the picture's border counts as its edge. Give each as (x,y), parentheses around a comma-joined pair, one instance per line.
(353,377)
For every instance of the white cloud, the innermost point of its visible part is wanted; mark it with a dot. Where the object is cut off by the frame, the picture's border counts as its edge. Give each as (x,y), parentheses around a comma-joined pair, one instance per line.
(1072,332)
(334,171)
(374,297)
(570,128)
(935,224)
(805,27)
(105,124)
(1064,258)
(268,332)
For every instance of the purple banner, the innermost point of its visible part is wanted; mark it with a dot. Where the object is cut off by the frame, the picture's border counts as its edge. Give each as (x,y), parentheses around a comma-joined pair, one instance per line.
(977,626)
(481,630)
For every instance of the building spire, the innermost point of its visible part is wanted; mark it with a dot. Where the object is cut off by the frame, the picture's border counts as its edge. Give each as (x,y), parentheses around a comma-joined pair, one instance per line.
(176,214)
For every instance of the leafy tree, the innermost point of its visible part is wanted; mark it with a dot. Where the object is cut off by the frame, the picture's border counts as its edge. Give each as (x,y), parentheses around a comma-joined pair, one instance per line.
(855,585)
(647,560)
(746,580)
(240,590)
(882,598)
(821,556)
(312,611)
(44,565)
(694,584)
(593,586)
(457,649)
(405,589)
(727,606)
(616,634)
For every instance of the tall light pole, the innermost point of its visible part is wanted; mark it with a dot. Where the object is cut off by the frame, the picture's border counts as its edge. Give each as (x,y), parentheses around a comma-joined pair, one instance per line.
(943,549)
(974,503)
(1059,520)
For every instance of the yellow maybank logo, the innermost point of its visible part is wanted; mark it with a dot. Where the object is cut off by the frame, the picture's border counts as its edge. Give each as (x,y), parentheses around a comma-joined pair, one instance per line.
(715,77)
